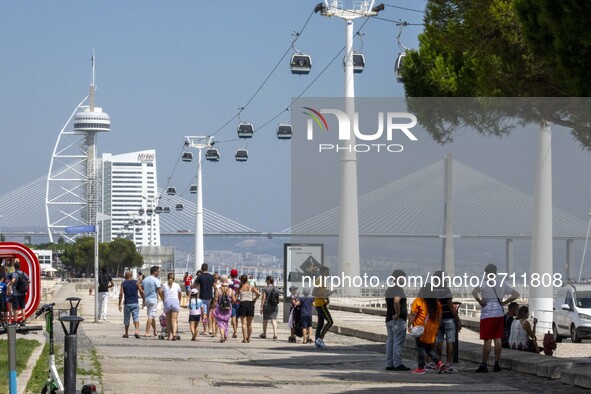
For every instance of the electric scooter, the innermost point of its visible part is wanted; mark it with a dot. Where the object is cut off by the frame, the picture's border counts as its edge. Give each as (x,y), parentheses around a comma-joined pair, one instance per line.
(54,383)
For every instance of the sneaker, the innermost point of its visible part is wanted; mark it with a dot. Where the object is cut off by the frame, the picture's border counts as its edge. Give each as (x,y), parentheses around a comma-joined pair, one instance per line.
(439,367)
(401,367)
(390,369)
(418,371)
(319,344)
(430,367)
(497,368)
(449,369)
(482,369)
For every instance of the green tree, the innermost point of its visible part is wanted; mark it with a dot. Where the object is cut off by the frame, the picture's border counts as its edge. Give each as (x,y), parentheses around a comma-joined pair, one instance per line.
(79,256)
(122,253)
(476,48)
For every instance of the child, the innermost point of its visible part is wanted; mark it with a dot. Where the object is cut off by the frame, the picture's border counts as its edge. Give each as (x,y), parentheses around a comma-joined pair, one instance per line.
(195,312)
(294,303)
(306,308)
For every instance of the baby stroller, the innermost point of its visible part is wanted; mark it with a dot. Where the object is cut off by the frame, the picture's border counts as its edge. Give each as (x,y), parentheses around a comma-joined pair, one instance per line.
(162,334)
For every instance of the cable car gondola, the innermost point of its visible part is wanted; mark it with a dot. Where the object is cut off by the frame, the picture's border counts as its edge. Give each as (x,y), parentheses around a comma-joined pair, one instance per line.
(241,155)
(149,211)
(187,156)
(193,189)
(179,207)
(212,154)
(284,131)
(158,210)
(300,64)
(141,211)
(166,210)
(171,191)
(358,62)
(398,66)
(245,130)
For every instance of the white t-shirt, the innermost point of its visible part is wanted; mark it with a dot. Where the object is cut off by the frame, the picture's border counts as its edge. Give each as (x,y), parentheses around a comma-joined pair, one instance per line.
(491,296)
(171,293)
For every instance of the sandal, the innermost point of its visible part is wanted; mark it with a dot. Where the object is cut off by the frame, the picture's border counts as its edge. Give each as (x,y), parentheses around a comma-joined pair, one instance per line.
(137,336)
(125,336)
(244,341)
(235,335)
(263,336)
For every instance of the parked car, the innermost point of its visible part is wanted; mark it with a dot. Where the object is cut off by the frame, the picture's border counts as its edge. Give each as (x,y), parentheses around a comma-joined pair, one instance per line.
(572,313)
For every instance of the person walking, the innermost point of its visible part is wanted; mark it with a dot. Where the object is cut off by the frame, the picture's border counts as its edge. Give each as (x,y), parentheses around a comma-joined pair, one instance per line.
(224,297)
(195,306)
(490,297)
(130,290)
(321,302)
(306,311)
(235,285)
(152,289)
(396,314)
(426,312)
(204,283)
(248,296)
(269,307)
(171,295)
(187,280)
(105,282)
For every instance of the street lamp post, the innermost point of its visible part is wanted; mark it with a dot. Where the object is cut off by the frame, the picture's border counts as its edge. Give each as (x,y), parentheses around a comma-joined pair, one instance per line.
(348,252)
(199,143)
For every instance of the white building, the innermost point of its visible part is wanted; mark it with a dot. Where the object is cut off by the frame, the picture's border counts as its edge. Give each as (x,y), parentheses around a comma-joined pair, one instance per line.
(130,197)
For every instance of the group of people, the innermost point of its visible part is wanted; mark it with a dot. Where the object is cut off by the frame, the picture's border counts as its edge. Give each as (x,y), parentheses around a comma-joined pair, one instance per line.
(14,285)
(215,302)
(433,320)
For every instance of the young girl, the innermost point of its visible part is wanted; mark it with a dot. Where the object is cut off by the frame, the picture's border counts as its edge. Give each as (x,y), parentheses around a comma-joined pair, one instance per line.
(195,312)
(426,311)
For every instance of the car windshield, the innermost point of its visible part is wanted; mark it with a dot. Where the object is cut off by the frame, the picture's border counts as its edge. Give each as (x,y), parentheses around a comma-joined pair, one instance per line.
(584,299)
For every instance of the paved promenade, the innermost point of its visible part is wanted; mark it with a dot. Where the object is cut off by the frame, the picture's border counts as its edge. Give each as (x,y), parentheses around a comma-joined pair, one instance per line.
(348,364)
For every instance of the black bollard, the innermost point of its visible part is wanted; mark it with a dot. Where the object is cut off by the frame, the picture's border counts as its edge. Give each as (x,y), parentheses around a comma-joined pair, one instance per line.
(70,352)
(74,303)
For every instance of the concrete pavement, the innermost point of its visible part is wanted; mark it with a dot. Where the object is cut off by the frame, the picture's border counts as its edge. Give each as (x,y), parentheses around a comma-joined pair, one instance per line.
(348,364)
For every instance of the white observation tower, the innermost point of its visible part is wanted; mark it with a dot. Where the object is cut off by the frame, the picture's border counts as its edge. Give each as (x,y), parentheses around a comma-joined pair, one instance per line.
(72,195)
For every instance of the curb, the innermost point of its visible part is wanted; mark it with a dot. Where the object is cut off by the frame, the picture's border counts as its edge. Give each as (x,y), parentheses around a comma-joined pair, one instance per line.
(23,379)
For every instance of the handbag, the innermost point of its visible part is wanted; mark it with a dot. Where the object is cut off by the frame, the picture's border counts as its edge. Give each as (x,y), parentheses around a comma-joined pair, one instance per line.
(418,331)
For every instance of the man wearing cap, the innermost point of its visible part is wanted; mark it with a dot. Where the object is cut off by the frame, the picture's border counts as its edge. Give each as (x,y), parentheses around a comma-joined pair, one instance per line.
(234,285)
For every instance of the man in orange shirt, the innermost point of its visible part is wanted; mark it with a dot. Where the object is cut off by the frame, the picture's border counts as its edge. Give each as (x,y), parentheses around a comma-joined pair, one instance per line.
(426,312)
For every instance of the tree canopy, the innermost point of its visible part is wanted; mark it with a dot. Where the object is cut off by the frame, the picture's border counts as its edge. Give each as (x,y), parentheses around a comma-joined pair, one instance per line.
(500,48)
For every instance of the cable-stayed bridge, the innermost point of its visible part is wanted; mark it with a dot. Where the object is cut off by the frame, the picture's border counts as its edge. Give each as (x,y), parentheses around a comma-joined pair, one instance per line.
(413,206)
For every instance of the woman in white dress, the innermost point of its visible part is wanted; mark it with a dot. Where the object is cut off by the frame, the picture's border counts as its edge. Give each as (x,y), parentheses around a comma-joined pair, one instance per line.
(171,292)
(523,336)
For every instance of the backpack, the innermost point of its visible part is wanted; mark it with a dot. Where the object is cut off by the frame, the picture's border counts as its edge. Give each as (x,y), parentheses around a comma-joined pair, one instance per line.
(225,303)
(103,281)
(21,284)
(273,297)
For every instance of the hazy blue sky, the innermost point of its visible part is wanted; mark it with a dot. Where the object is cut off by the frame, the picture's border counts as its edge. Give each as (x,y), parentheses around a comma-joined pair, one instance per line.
(176,68)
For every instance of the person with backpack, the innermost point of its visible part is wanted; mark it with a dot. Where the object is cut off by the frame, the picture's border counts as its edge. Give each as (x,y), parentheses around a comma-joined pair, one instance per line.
(235,285)
(269,307)
(105,282)
(18,287)
(223,299)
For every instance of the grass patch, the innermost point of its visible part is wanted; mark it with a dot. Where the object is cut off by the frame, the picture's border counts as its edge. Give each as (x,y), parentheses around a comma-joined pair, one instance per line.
(24,349)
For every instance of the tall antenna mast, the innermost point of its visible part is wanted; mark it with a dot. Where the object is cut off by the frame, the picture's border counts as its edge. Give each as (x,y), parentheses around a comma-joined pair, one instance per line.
(91,93)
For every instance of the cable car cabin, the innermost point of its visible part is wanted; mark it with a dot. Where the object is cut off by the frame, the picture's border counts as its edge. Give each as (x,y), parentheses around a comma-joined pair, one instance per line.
(358,63)
(241,155)
(284,131)
(166,210)
(212,154)
(141,211)
(398,66)
(301,64)
(245,130)
(158,209)
(179,207)
(193,189)
(187,156)
(149,211)
(171,191)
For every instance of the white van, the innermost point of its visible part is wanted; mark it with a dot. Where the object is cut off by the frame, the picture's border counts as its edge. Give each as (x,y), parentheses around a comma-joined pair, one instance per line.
(572,313)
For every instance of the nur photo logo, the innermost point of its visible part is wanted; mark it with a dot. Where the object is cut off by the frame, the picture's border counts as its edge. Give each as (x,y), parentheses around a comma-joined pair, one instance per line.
(391,125)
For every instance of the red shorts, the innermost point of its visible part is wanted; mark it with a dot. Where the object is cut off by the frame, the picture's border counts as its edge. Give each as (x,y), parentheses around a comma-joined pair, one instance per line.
(492,328)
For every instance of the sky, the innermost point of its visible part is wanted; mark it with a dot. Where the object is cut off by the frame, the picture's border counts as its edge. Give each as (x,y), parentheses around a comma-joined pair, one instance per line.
(165,70)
